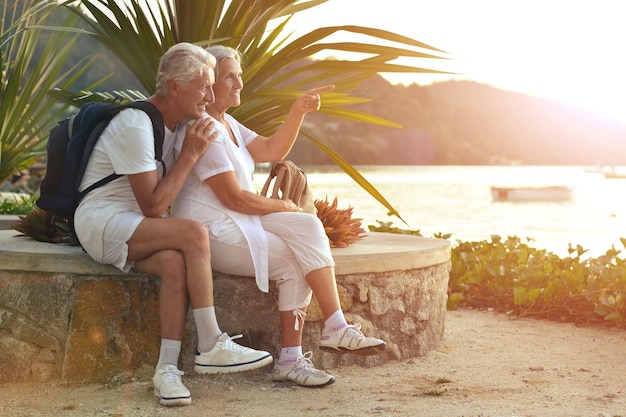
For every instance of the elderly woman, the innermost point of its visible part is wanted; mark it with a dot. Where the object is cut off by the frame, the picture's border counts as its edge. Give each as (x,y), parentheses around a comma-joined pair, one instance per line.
(270,239)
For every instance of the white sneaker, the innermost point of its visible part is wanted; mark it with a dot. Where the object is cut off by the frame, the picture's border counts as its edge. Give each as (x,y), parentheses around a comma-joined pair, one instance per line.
(302,372)
(227,356)
(169,387)
(350,339)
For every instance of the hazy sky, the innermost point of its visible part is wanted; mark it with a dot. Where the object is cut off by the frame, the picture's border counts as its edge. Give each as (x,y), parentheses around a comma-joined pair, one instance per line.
(569,50)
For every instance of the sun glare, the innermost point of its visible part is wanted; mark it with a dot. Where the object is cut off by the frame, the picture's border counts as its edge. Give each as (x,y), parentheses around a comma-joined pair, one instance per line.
(566,50)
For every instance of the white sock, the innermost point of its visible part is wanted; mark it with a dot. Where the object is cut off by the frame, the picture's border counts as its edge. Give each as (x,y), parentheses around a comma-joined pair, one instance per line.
(170,351)
(289,354)
(207,328)
(335,322)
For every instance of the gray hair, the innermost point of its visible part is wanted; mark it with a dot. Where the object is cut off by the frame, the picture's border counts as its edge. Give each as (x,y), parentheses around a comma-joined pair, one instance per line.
(221,52)
(181,63)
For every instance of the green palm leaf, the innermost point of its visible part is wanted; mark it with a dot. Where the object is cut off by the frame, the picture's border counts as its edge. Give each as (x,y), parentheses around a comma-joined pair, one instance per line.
(26,111)
(276,68)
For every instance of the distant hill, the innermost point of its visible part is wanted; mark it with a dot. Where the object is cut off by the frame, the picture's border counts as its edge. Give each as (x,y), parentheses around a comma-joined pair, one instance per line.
(465,123)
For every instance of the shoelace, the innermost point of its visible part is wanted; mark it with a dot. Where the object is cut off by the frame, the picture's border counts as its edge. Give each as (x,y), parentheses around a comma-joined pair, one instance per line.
(300,315)
(232,346)
(356,331)
(172,376)
(305,363)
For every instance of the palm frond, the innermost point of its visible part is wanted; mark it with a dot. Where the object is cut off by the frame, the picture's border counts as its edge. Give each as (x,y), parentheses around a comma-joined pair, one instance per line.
(83,97)
(357,177)
(29,70)
(276,68)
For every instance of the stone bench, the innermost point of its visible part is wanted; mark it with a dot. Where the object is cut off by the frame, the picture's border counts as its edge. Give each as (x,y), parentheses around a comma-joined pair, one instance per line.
(7,221)
(65,317)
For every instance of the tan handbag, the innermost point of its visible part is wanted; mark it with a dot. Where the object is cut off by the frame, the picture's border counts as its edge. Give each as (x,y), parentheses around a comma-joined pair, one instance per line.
(290,183)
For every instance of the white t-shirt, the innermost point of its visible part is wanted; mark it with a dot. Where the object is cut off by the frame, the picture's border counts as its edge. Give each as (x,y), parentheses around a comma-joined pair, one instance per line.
(198,202)
(125,147)
(221,156)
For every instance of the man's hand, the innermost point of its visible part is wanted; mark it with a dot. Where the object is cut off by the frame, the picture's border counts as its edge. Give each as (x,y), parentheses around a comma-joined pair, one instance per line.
(198,136)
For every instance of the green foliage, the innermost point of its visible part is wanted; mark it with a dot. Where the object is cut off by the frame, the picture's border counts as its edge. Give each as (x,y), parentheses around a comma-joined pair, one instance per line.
(512,277)
(386,227)
(28,71)
(21,204)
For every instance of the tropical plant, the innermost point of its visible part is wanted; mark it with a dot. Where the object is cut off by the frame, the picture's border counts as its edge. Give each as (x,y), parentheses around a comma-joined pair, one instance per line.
(276,69)
(44,226)
(340,227)
(28,71)
(510,276)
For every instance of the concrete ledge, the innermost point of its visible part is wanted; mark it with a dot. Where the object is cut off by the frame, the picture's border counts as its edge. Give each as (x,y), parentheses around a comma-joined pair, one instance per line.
(7,221)
(378,252)
(63,316)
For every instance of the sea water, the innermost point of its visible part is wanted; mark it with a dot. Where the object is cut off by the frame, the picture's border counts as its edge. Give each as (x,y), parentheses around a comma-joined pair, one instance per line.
(457,200)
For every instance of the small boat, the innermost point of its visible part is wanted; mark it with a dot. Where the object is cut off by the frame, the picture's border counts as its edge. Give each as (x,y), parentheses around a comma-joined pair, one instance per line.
(612,173)
(548,193)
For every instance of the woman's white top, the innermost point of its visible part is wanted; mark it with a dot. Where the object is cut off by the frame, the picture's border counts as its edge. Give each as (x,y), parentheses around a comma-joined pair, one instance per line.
(197,200)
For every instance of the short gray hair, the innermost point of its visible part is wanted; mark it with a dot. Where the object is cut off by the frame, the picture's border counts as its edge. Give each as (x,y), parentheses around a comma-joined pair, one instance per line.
(181,63)
(221,52)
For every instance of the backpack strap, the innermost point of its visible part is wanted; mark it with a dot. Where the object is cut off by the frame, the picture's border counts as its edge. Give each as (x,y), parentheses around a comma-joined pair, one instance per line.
(158,128)
(99,183)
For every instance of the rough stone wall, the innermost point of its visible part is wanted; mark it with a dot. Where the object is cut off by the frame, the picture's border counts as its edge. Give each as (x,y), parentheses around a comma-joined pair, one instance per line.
(114,328)
(35,310)
(405,308)
(79,328)
(76,328)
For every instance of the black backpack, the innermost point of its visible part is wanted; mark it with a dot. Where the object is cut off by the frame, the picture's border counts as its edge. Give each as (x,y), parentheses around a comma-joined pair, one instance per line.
(68,150)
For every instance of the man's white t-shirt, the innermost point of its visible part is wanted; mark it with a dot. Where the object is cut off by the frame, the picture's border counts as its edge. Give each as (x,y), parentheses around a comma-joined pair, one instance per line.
(125,147)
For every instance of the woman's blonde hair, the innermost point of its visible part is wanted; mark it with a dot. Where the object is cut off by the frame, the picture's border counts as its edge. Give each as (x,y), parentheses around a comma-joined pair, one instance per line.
(181,63)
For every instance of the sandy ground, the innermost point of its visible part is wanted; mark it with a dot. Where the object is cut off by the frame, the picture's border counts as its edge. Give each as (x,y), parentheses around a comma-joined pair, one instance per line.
(487,365)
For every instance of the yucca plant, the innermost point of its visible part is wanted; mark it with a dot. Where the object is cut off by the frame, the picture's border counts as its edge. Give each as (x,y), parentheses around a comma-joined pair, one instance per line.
(276,69)
(340,227)
(28,71)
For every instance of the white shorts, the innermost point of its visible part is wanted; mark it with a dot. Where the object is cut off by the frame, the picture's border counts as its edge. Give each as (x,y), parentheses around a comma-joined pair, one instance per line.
(110,246)
(292,254)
